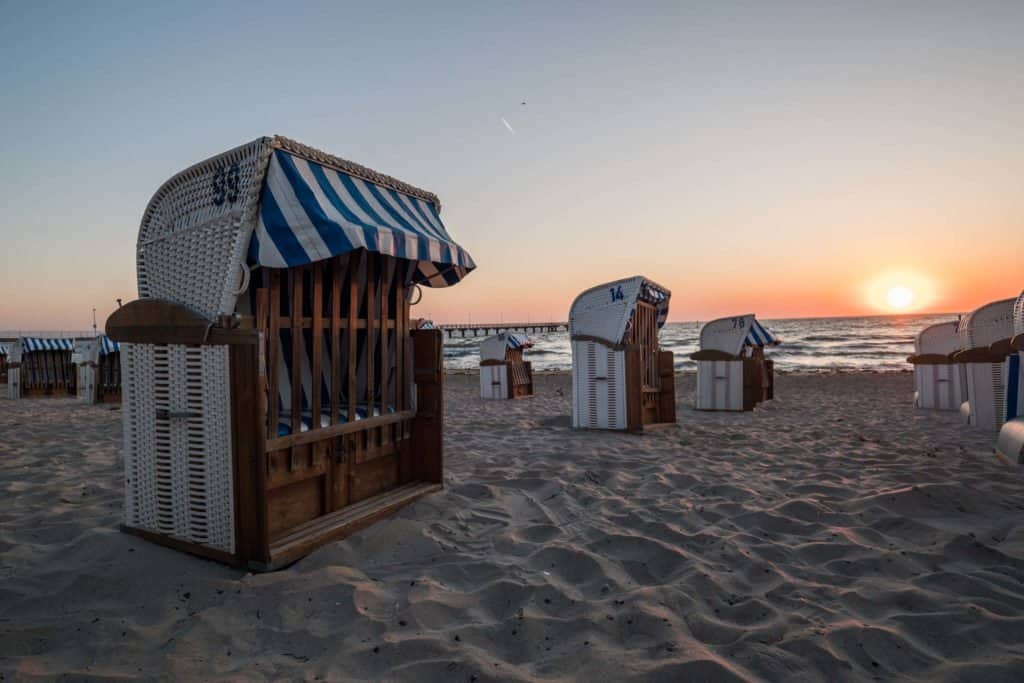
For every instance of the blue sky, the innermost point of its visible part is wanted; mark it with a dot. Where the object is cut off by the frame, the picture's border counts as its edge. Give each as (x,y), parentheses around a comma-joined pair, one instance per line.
(812,146)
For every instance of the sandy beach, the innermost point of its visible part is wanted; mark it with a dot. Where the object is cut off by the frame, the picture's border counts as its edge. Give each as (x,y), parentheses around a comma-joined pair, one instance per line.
(832,534)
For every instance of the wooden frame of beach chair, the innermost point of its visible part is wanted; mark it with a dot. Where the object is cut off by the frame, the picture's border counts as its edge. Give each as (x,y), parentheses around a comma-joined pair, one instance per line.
(732,371)
(304,408)
(503,372)
(44,369)
(940,383)
(3,364)
(622,379)
(986,362)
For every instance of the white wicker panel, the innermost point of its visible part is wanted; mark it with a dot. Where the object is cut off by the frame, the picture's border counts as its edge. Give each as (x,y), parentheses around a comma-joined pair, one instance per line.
(938,387)
(493,381)
(178,474)
(720,385)
(599,392)
(196,229)
(987,391)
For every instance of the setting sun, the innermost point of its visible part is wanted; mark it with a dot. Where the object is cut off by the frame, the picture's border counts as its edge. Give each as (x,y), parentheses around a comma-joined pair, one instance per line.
(899,298)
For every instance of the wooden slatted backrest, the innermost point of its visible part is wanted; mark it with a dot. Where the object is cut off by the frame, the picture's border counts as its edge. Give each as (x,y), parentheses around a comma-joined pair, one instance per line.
(344,323)
(644,333)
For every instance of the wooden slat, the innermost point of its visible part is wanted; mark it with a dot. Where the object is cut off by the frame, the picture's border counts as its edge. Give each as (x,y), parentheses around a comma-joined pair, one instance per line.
(385,365)
(338,268)
(315,356)
(295,289)
(372,316)
(354,270)
(273,351)
(338,525)
(299,438)
(247,447)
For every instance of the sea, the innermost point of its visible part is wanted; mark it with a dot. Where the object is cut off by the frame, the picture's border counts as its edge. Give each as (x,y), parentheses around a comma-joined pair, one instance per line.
(809,345)
(875,344)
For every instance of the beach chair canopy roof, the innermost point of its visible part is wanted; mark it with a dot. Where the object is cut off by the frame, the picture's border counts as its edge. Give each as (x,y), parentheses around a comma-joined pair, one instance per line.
(426,325)
(940,339)
(30,344)
(606,311)
(733,333)
(109,346)
(990,323)
(493,348)
(277,203)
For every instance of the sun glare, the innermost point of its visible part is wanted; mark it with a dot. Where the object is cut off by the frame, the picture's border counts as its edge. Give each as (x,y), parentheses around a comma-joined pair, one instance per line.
(899,298)
(900,291)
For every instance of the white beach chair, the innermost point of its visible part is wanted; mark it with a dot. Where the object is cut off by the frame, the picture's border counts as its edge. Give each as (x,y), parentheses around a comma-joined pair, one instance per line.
(503,372)
(620,377)
(1011,436)
(732,372)
(275,394)
(940,383)
(86,358)
(41,367)
(986,368)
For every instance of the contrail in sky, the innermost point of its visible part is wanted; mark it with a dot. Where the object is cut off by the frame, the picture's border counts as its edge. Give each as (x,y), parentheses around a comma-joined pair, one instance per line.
(508,125)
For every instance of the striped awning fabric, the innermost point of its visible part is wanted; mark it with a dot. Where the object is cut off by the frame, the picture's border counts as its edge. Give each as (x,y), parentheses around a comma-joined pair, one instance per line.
(30,344)
(310,212)
(517,341)
(653,294)
(759,335)
(3,349)
(108,346)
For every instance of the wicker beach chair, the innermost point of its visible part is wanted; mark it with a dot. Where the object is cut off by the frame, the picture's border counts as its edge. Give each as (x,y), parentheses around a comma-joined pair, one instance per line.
(503,372)
(1011,435)
(275,395)
(621,379)
(732,371)
(940,383)
(984,352)
(39,367)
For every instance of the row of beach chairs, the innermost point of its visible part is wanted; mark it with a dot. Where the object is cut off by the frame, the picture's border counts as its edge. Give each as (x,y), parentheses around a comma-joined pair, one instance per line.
(36,367)
(277,395)
(973,366)
(621,378)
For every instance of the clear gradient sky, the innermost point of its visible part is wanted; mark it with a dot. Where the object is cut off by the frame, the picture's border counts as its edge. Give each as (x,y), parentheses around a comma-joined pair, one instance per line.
(775,157)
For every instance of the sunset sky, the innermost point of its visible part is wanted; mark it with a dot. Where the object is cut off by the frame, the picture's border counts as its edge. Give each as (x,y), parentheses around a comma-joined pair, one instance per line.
(784,158)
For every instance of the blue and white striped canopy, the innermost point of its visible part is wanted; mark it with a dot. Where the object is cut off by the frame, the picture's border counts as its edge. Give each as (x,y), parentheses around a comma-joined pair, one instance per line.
(653,294)
(759,335)
(109,346)
(310,212)
(517,341)
(30,344)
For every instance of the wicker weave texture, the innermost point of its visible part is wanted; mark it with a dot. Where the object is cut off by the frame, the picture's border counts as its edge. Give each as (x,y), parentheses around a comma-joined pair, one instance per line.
(196,229)
(178,474)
